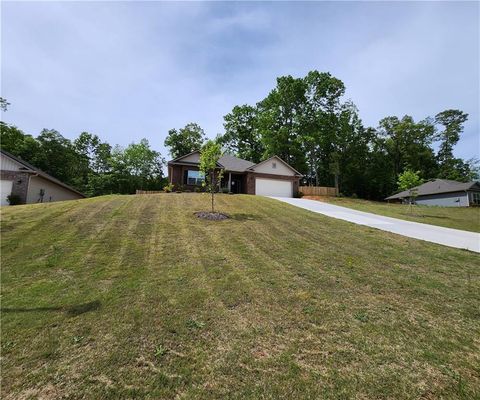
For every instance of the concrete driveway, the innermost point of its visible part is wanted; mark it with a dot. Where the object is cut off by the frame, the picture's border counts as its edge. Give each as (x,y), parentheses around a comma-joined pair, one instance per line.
(430,233)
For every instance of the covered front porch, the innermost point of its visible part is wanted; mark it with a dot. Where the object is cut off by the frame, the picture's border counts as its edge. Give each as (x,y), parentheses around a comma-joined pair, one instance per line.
(234,182)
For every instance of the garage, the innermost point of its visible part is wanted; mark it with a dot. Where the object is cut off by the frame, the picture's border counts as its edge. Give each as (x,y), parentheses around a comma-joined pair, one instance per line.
(5,190)
(273,187)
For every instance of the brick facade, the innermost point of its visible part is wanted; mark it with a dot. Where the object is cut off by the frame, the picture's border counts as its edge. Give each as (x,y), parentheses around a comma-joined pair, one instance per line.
(20,183)
(176,174)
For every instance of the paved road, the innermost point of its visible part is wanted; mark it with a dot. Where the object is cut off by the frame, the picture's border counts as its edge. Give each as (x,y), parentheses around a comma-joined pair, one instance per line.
(429,233)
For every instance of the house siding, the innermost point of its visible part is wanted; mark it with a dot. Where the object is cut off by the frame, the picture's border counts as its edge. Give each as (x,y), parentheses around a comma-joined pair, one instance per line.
(53,192)
(273,167)
(6,164)
(193,158)
(455,199)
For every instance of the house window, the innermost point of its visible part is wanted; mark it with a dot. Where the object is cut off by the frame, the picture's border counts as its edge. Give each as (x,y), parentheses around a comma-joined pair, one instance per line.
(195,178)
(476,198)
(274,165)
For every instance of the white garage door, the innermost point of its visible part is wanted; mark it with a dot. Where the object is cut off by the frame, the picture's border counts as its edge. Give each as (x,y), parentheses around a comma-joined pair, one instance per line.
(5,190)
(273,187)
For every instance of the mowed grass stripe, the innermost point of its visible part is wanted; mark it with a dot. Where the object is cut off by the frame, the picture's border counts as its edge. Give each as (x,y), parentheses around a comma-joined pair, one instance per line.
(273,303)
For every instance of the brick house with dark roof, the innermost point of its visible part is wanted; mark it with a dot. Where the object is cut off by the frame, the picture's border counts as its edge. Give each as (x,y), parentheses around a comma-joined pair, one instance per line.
(271,177)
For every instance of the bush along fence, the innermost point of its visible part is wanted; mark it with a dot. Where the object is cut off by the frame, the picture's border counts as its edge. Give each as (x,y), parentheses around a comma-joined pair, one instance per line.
(317,191)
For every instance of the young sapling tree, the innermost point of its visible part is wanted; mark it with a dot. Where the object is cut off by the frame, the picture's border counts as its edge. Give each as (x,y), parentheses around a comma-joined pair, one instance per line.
(209,156)
(409,180)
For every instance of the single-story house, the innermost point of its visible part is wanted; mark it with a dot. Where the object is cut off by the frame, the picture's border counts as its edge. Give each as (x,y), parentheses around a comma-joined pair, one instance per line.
(272,177)
(31,185)
(442,192)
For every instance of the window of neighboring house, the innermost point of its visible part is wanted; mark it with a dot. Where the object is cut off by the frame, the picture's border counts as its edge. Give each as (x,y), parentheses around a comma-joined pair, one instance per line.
(476,198)
(274,165)
(195,178)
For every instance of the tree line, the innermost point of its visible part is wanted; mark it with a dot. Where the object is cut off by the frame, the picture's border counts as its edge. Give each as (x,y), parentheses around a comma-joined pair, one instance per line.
(305,121)
(86,163)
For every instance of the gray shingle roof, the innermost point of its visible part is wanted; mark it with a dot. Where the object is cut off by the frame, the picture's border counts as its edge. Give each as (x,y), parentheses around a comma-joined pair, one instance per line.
(436,186)
(234,164)
(228,162)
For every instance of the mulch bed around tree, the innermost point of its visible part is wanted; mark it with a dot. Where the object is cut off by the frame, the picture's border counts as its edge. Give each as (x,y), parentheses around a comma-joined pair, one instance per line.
(212,216)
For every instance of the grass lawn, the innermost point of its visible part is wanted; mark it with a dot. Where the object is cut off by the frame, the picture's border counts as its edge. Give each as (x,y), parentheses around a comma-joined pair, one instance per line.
(464,218)
(132,297)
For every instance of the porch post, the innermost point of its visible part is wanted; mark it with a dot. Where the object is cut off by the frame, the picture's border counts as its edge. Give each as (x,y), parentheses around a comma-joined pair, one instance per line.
(229,181)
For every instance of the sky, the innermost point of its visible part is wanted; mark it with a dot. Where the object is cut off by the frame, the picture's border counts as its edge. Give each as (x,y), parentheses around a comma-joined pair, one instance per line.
(132,70)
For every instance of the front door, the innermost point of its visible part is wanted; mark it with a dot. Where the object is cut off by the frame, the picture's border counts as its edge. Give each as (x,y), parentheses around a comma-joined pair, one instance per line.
(236,185)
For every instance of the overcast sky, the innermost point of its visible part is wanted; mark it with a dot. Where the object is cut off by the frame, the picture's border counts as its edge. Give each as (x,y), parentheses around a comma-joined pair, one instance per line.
(128,70)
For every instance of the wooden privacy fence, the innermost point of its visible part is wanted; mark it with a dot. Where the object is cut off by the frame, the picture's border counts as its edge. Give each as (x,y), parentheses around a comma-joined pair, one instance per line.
(317,190)
(148,191)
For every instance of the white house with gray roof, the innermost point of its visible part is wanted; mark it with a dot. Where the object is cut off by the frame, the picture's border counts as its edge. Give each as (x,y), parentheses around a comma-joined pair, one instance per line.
(442,192)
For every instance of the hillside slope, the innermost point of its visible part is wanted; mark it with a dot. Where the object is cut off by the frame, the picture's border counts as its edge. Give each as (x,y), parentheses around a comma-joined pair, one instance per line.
(133,297)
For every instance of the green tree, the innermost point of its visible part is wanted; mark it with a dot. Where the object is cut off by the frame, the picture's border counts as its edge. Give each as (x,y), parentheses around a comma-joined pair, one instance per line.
(408,144)
(409,180)
(349,151)
(452,122)
(18,143)
(136,167)
(88,164)
(320,126)
(95,159)
(379,180)
(59,158)
(242,136)
(185,140)
(209,156)
(280,119)
(95,152)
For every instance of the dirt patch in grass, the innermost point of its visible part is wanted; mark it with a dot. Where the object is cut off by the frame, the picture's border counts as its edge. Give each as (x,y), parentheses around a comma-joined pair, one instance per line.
(211,216)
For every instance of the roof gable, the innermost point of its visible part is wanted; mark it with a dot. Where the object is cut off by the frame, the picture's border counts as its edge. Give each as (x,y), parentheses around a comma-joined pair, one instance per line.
(9,161)
(259,166)
(193,157)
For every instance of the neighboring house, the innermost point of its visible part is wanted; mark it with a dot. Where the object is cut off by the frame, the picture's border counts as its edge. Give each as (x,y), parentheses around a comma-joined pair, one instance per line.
(443,192)
(31,185)
(272,177)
